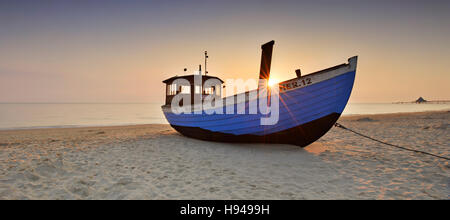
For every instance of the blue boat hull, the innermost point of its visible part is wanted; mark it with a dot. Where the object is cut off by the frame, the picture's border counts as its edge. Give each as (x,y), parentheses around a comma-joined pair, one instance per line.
(301,135)
(305,114)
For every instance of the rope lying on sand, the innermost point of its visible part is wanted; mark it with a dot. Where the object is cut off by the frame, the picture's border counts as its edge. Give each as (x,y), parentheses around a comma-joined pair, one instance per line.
(403,148)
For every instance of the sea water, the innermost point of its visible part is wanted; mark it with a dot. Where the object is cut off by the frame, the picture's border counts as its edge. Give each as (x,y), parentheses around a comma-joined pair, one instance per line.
(42,115)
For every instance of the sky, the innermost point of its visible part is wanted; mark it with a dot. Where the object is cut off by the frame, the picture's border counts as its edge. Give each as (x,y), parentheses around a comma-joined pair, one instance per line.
(120,51)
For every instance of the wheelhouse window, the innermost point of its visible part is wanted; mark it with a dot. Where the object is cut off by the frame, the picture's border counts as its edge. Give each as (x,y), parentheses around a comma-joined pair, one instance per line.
(209,91)
(197,89)
(172,89)
(185,89)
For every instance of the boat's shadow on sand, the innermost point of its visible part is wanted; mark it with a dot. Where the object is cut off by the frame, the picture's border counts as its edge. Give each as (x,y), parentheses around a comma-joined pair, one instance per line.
(314,148)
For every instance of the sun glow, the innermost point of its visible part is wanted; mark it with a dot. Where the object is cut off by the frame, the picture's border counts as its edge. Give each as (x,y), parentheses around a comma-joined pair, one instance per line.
(273,81)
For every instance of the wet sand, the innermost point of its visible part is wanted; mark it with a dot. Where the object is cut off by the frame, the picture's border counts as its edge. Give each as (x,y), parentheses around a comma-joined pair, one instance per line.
(155,162)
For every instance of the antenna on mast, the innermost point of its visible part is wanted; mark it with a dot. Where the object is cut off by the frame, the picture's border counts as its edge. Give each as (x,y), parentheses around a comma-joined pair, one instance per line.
(206,57)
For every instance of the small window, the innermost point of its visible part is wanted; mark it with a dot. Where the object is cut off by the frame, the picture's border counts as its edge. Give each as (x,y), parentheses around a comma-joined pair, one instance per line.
(185,89)
(209,91)
(172,89)
(197,89)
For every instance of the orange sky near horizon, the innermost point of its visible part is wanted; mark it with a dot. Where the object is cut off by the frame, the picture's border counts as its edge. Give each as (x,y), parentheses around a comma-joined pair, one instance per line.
(121,54)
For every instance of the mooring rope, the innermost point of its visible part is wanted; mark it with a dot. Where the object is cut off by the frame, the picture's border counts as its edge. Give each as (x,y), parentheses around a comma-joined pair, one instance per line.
(403,148)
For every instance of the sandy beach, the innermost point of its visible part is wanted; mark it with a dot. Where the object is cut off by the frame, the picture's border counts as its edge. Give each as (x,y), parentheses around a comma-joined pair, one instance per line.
(155,162)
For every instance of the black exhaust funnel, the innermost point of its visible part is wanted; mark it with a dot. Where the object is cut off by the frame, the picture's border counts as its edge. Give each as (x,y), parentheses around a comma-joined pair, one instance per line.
(266,60)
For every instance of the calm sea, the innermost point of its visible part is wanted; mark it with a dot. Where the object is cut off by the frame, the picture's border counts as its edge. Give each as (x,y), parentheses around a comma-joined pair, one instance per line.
(20,116)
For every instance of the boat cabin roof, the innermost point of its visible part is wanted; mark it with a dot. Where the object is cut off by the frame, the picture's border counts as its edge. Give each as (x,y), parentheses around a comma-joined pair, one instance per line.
(190,78)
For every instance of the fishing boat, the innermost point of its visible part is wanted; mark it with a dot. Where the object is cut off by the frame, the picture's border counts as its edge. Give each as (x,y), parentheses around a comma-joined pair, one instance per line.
(309,105)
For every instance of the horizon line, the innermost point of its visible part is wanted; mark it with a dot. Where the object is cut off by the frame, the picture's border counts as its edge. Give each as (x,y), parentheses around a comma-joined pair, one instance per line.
(385,102)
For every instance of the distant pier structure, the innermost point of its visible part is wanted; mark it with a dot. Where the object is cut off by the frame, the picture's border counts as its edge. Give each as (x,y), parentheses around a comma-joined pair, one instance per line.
(421,100)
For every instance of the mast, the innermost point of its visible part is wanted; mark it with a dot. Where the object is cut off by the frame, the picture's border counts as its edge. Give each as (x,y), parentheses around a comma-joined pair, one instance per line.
(206,57)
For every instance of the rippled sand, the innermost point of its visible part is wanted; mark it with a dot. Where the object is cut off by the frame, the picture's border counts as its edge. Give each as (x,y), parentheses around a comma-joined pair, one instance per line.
(155,162)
